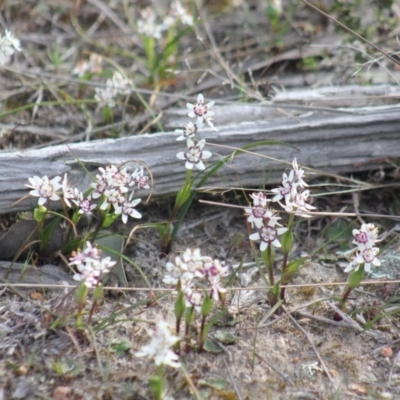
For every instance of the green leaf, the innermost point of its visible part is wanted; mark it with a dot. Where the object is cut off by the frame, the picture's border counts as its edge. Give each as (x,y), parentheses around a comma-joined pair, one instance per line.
(356,277)
(226,337)
(212,347)
(180,306)
(120,347)
(287,241)
(40,213)
(206,306)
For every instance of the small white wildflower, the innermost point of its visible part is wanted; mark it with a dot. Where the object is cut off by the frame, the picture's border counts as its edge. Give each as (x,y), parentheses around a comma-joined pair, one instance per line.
(300,204)
(147,26)
(194,154)
(90,267)
(85,204)
(121,84)
(188,131)
(366,236)
(8,45)
(178,272)
(105,95)
(367,257)
(201,110)
(299,174)
(288,188)
(127,209)
(268,233)
(91,274)
(160,345)
(178,11)
(44,188)
(138,177)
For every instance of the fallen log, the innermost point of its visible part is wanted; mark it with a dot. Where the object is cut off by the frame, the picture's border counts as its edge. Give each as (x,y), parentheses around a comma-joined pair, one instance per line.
(327,139)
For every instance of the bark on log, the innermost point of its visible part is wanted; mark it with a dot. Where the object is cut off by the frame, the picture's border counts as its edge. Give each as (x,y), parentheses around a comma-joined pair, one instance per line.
(332,140)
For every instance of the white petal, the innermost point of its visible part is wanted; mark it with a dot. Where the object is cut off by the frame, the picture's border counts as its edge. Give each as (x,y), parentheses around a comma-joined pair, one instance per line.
(206,154)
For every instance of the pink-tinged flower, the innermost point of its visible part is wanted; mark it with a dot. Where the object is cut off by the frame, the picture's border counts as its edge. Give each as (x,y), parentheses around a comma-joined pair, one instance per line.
(259,199)
(299,204)
(138,177)
(366,256)
(193,259)
(127,209)
(299,174)
(201,110)
(288,188)
(216,288)
(68,192)
(268,233)
(113,196)
(193,298)
(160,345)
(188,131)
(44,188)
(194,154)
(178,272)
(100,186)
(255,216)
(213,268)
(92,273)
(366,236)
(85,204)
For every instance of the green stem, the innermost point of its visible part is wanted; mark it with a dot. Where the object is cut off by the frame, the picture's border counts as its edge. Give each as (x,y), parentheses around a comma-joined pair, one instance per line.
(180,200)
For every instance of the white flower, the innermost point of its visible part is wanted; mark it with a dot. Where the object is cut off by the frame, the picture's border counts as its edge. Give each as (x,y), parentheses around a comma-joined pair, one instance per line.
(299,204)
(288,188)
(194,154)
(105,95)
(193,298)
(367,256)
(127,208)
(160,345)
(178,272)
(147,24)
(68,192)
(121,84)
(255,216)
(13,41)
(259,199)
(299,174)
(90,267)
(188,131)
(201,110)
(92,273)
(141,180)
(8,45)
(44,188)
(84,204)
(366,236)
(268,234)
(179,12)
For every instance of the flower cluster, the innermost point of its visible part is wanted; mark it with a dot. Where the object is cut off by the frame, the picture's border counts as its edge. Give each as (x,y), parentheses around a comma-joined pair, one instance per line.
(160,346)
(113,187)
(190,271)
(195,153)
(91,268)
(147,23)
(365,253)
(8,45)
(293,193)
(117,85)
(265,221)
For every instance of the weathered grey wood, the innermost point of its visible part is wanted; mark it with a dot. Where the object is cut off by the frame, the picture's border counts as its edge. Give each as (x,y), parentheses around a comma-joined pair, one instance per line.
(331,141)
